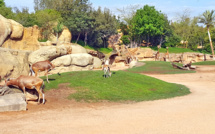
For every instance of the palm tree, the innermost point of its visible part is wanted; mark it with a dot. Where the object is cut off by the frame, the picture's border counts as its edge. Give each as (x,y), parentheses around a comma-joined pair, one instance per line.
(208,18)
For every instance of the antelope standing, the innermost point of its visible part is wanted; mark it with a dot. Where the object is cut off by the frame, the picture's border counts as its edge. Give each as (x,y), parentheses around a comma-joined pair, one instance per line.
(166,57)
(157,55)
(106,69)
(41,66)
(29,82)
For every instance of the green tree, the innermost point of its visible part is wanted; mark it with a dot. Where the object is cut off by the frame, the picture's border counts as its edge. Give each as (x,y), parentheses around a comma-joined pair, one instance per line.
(24,17)
(6,11)
(46,19)
(147,23)
(2,3)
(105,25)
(208,18)
(58,29)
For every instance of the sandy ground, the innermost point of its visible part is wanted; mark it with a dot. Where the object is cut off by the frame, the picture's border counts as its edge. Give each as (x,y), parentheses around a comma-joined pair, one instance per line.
(190,114)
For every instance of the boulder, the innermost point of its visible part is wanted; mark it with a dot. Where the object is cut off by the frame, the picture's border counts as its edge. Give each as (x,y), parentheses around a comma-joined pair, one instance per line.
(13,102)
(97,62)
(49,53)
(64,37)
(142,53)
(76,49)
(73,62)
(74,59)
(6,29)
(17,30)
(29,40)
(47,43)
(13,63)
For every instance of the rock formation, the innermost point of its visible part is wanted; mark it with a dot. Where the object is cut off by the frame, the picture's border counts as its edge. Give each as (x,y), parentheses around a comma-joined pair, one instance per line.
(65,37)
(73,62)
(49,53)
(13,62)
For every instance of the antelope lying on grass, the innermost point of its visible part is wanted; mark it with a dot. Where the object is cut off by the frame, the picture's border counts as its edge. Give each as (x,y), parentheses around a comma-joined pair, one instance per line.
(41,66)
(29,82)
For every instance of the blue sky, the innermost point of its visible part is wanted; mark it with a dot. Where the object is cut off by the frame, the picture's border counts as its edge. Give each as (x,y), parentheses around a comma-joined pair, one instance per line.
(169,7)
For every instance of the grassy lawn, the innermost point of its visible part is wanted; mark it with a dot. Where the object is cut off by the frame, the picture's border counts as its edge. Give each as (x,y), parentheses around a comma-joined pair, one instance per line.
(158,67)
(121,87)
(204,63)
(174,50)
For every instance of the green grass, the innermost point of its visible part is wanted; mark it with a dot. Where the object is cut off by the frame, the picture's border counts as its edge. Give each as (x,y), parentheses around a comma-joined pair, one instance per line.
(121,87)
(173,50)
(158,67)
(105,50)
(204,63)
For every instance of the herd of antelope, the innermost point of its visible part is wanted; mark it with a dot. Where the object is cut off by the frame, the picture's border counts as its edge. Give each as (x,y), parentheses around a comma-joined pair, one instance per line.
(32,81)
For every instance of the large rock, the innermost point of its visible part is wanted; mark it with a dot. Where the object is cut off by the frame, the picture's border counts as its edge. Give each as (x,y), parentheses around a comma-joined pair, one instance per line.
(73,62)
(65,37)
(29,40)
(97,63)
(49,53)
(142,53)
(13,102)
(76,49)
(17,30)
(13,63)
(5,27)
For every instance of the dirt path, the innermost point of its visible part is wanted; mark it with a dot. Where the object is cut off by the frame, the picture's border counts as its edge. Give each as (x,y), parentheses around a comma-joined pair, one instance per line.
(191,114)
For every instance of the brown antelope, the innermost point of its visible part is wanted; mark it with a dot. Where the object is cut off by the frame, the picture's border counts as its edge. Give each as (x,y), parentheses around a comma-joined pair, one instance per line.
(157,55)
(166,57)
(29,82)
(41,66)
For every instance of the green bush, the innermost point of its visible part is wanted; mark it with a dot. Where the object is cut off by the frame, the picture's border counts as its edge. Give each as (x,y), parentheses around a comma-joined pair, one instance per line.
(125,39)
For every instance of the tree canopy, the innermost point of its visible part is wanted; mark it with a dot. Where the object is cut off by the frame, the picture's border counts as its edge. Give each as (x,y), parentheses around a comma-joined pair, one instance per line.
(95,26)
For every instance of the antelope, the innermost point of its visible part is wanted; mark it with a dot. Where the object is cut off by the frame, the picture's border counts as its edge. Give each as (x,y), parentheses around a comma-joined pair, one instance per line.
(41,66)
(166,54)
(106,69)
(157,55)
(29,82)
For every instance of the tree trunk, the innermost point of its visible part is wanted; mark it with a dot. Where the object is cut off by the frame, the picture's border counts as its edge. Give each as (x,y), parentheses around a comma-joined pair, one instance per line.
(57,37)
(161,41)
(148,41)
(212,49)
(85,39)
(78,37)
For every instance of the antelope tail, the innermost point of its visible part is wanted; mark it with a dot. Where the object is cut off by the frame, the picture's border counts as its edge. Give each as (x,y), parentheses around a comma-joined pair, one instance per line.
(32,73)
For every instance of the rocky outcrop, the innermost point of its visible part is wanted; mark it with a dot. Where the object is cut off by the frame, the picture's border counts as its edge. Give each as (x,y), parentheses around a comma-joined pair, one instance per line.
(65,37)
(142,53)
(13,63)
(17,30)
(5,29)
(49,53)
(14,36)
(97,63)
(13,102)
(76,49)
(186,57)
(73,62)
(28,41)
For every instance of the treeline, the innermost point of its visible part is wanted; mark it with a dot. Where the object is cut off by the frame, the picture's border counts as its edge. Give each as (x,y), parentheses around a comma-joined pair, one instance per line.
(93,26)
(139,26)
